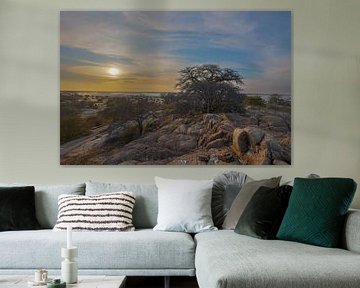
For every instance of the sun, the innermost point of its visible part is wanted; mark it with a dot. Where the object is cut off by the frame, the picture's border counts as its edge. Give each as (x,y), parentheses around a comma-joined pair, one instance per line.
(113,71)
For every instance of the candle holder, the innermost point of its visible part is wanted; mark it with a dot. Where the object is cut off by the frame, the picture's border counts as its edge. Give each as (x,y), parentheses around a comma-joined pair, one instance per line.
(69,271)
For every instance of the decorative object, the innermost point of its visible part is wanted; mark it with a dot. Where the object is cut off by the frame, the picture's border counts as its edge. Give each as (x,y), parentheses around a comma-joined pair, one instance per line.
(243,198)
(184,205)
(317,209)
(105,212)
(172,87)
(68,265)
(40,279)
(56,283)
(17,208)
(263,214)
(226,187)
(41,275)
(69,237)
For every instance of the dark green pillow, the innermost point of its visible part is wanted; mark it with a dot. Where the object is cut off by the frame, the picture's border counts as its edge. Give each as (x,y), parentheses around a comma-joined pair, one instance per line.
(316,211)
(263,214)
(17,208)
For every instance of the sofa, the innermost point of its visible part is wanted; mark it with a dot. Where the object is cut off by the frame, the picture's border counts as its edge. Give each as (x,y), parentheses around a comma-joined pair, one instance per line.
(218,259)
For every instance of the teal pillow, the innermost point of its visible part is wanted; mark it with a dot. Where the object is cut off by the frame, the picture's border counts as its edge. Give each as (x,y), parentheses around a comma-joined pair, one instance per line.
(316,211)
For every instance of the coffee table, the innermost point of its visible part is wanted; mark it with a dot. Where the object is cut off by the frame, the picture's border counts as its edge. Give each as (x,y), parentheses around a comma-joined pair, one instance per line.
(84,281)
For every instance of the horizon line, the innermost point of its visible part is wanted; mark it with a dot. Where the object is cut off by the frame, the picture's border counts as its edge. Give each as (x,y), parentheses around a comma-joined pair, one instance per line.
(161,92)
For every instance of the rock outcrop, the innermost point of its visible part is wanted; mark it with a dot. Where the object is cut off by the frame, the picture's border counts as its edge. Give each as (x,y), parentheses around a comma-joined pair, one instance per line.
(255,138)
(256,147)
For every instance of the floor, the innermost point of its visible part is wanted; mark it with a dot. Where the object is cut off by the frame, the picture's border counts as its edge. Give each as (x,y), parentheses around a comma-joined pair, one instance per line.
(158,282)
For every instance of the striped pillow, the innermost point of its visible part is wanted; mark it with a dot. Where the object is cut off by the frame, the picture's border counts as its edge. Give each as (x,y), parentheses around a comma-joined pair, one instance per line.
(105,212)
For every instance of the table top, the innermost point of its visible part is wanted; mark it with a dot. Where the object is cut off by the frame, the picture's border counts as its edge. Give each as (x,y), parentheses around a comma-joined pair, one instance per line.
(84,281)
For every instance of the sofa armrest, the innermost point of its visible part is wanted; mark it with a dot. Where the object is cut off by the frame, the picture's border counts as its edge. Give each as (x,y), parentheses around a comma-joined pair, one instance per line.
(351,234)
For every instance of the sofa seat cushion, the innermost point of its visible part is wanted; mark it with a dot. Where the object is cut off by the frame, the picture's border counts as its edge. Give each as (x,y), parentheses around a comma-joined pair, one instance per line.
(225,259)
(142,249)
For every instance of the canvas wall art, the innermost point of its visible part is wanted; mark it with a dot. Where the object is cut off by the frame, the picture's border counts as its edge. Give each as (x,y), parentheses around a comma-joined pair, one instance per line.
(175,88)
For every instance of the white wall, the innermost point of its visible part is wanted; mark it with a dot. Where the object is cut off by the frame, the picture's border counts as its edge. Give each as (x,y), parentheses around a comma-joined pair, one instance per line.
(326,90)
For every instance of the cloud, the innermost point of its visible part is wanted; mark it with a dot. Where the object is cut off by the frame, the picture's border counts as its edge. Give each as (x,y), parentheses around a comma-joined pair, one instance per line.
(275,77)
(155,44)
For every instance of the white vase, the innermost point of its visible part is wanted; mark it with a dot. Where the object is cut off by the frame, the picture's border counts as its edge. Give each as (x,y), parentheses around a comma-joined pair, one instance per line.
(69,271)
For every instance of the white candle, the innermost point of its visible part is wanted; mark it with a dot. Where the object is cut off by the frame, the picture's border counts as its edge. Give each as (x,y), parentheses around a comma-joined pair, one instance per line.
(69,239)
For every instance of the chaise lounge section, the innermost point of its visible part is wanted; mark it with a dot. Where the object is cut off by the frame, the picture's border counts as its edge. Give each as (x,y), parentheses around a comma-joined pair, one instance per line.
(225,259)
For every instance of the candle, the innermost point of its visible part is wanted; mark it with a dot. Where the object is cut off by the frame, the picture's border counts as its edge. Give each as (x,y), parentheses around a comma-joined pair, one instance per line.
(69,239)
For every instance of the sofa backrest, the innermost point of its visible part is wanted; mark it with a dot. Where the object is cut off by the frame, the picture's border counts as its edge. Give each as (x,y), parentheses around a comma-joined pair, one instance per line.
(146,203)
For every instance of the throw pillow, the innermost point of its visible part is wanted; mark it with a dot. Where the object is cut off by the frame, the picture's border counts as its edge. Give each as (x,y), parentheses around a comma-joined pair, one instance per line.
(226,186)
(46,200)
(17,209)
(317,209)
(146,205)
(243,198)
(263,215)
(291,182)
(184,205)
(106,212)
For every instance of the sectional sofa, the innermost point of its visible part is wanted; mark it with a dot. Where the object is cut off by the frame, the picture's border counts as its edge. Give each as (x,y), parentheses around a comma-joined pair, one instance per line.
(219,259)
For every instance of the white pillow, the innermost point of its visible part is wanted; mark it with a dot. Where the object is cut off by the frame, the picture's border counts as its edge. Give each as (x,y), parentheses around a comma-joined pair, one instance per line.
(105,212)
(184,205)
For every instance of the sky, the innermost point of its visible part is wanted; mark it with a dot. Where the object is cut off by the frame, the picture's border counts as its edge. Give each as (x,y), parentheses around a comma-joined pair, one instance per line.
(138,51)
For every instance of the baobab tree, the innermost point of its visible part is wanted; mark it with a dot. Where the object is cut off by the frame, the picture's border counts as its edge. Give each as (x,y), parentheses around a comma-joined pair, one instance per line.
(216,89)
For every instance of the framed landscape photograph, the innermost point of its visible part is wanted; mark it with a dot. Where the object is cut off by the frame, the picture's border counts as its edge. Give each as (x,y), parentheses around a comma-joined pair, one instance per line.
(175,88)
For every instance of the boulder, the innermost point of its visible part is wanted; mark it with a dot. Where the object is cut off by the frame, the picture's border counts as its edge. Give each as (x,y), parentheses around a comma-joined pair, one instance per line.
(211,120)
(217,143)
(241,141)
(204,157)
(256,135)
(124,133)
(213,160)
(266,161)
(182,129)
(247,139)
(279,162)
(275,123)
(216,136)
(179,143)
(226,157)
(186,144)
(196,129)
(150,124)
(140,152)
(275,151)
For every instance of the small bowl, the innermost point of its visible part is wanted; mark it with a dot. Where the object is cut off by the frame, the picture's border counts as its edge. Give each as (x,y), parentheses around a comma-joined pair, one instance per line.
(56,283)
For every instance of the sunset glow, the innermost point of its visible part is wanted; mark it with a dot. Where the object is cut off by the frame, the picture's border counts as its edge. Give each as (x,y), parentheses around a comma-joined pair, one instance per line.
(114,71)
(145,50)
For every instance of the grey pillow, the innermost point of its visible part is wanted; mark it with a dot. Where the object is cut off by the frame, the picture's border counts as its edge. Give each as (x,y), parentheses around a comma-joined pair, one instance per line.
(243,198)
(184,205)
(310,176)
(46,200)
(226,187)
(146,204)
